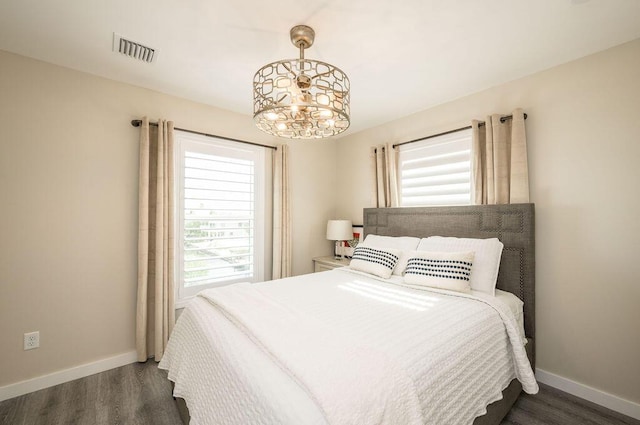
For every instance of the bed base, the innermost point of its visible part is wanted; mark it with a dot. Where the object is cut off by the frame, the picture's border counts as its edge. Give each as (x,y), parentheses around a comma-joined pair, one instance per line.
(183,410)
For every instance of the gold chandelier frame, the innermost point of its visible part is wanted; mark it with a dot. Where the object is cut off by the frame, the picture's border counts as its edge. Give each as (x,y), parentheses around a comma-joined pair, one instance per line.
(301,98)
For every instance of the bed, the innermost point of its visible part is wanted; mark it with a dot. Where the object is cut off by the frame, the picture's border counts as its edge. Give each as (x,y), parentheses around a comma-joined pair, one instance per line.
(232,363)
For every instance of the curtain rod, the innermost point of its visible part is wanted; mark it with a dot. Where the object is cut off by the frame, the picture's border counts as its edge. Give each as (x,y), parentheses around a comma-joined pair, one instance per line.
(502,119)
(137,123)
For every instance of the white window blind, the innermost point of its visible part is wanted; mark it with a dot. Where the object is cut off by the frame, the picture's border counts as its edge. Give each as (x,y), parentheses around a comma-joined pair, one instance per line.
(436,171)
(221,213)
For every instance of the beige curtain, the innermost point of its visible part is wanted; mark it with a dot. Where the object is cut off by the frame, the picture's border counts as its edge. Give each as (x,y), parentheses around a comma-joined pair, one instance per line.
(281,214)
(155,313)
(500,170)
(384,168)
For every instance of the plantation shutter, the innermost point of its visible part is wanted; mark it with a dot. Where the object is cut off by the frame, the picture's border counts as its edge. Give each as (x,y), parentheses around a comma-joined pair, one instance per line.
(219,219)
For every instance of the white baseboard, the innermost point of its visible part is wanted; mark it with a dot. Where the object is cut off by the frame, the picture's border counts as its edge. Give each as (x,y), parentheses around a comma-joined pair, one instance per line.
(66,375)
(626,407)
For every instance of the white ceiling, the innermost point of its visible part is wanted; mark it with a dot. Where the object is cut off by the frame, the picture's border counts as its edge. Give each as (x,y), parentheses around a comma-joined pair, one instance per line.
(401,56)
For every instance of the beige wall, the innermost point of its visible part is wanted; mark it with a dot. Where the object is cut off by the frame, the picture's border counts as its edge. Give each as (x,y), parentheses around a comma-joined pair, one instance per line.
(584,160)
(68,190)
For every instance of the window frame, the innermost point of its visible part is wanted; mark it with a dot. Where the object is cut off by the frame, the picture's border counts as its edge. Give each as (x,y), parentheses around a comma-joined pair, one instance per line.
(210,145)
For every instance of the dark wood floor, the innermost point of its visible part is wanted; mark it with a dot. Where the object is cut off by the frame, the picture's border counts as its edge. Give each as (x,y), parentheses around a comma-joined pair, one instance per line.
(140,394)
(136,394)
(554,407)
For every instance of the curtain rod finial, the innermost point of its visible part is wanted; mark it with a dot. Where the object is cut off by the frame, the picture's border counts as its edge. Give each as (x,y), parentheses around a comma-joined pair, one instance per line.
(136,123)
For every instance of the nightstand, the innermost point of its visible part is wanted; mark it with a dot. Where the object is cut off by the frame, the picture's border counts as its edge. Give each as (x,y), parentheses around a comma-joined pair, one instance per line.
(321,264)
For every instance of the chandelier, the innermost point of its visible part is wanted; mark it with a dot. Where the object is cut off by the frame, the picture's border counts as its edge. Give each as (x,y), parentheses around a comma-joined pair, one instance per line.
(301,98)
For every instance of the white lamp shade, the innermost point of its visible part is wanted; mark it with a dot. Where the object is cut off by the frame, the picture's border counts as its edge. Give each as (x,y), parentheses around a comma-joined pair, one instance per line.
(339,230)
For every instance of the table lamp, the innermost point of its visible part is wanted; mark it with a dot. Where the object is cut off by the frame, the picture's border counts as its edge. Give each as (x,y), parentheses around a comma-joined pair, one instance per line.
(339,230)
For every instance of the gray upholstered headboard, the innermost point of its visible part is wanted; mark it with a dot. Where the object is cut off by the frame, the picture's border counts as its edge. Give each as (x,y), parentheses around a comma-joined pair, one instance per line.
(512,224)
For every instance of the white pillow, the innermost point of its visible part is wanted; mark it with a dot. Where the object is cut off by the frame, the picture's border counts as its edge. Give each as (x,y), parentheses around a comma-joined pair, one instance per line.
(406,244)
(444,270)
(484,273)
(379,262)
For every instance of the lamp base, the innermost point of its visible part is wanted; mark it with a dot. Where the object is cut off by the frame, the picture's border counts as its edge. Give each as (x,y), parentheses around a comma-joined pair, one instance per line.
(335,252)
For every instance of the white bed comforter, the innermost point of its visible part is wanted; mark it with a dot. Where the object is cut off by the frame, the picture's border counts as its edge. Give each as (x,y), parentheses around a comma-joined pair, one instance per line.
(343,348)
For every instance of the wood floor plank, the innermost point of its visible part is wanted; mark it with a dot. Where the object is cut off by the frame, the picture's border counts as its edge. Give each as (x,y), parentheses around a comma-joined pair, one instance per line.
(578,409)
(136,394)
(140,394)
(554,407)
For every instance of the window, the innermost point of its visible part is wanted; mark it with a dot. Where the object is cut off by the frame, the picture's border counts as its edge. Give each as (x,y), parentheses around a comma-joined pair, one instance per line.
(436,171)
(221,213)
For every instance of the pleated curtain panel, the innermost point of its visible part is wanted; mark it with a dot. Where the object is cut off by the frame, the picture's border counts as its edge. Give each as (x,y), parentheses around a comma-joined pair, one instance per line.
(155,315)
(499,163)
(281,266)
(384,167)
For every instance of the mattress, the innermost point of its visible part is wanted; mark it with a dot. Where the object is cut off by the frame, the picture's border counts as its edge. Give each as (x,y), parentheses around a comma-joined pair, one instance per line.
(341,347)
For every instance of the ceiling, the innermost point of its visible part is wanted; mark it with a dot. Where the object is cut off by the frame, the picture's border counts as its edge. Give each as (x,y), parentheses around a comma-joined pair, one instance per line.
(401,56)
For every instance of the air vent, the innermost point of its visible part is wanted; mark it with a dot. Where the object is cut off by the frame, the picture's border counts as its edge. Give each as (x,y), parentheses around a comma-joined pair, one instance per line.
(133,49)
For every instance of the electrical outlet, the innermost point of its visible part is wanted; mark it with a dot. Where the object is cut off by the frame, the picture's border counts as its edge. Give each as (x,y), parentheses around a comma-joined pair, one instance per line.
(32,340)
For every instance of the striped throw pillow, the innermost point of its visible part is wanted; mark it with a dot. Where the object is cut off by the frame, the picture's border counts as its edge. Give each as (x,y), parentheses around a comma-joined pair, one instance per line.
(378,262)
(443,270)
